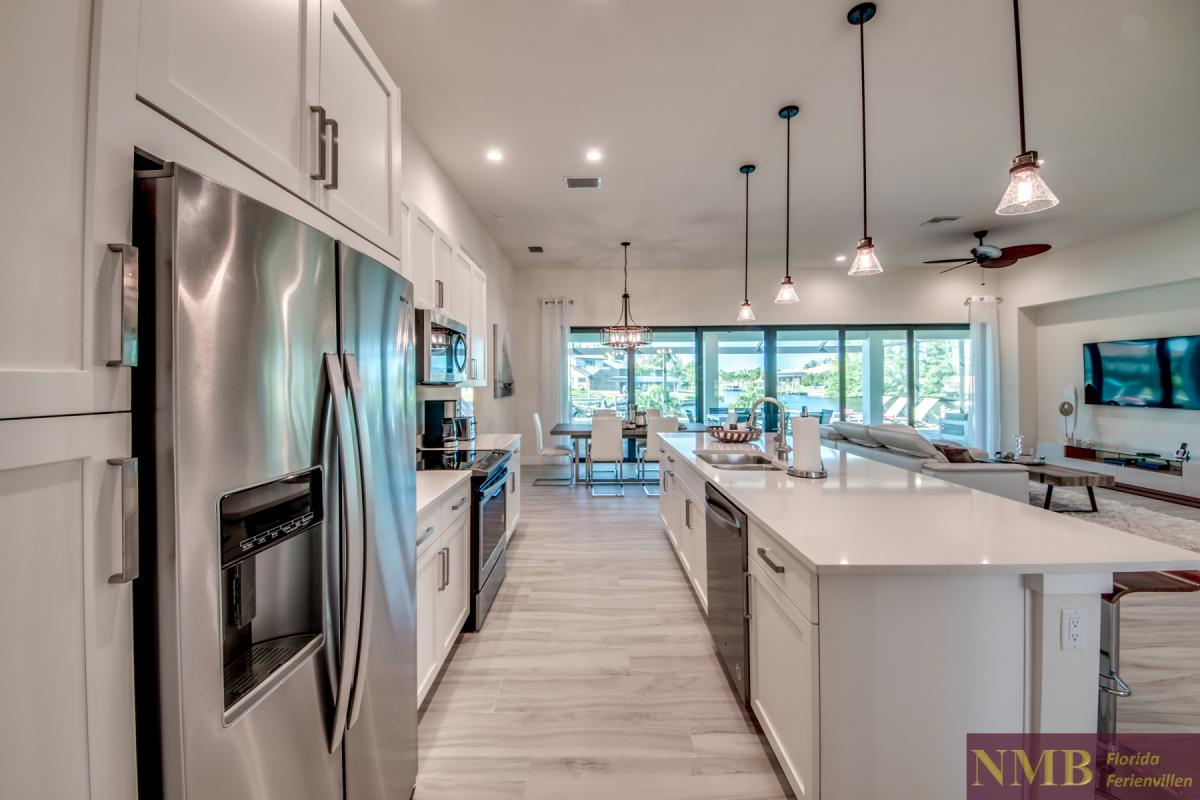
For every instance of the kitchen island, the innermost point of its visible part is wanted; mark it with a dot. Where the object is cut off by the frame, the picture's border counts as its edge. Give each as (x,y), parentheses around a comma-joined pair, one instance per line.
(891,613)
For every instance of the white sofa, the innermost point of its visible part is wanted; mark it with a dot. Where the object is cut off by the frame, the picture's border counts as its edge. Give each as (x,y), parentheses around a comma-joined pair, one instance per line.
(903,446)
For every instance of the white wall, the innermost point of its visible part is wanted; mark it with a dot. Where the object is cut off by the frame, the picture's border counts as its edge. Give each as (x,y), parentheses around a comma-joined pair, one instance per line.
(427,187)
(712,297)
(1098,290)
(1062,329)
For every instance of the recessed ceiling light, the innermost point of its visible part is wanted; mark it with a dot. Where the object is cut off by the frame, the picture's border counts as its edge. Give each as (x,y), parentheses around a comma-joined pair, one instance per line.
(594,155)
(495,155)
(501,218)
(840,258)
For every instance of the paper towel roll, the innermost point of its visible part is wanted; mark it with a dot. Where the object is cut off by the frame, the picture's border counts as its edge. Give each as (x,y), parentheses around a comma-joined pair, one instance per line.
(806,443)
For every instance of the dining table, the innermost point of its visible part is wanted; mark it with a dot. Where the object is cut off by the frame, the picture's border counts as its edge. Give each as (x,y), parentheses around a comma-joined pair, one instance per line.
(578,431)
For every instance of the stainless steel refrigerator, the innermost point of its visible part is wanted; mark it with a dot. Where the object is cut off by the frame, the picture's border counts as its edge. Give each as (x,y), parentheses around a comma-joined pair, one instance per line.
(275,422)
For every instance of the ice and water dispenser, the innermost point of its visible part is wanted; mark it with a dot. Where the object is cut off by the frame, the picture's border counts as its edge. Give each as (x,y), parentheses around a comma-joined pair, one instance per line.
(271,584)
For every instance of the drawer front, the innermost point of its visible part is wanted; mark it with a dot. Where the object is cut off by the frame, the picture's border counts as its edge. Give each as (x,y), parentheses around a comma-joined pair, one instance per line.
(457,504)
(784,570)
(689,476)
(430,524)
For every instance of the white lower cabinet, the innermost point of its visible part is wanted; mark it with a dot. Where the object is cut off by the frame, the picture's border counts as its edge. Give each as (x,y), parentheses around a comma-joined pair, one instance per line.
(783,682)
(443,582)
(681,506)
(66,621)
(693,520)
(513,500)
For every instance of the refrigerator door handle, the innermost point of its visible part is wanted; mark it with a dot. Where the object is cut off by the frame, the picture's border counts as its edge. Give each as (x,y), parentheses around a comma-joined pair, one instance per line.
(127,352)
(367,531)
(352,525)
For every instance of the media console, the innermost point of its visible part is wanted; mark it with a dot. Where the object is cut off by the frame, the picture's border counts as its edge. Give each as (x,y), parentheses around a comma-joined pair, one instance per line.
(1164,478)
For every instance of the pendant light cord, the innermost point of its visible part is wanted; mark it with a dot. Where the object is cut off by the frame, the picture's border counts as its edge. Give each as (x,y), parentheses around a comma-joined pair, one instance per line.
(862,71)
(1020,72)
(746,248)
(787,206)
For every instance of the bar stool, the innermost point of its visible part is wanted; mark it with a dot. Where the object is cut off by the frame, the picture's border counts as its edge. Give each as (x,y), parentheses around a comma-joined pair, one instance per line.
(1125,583)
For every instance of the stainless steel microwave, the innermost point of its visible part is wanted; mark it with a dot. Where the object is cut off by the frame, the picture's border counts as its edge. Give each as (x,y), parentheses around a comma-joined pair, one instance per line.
(441,349)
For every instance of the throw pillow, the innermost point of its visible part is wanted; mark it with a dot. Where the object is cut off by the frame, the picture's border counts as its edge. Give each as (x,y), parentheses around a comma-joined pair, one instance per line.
(955,454)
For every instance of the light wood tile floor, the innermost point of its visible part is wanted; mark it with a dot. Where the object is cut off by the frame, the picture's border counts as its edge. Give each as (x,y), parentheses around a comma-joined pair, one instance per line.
(593,676)
(1160,646)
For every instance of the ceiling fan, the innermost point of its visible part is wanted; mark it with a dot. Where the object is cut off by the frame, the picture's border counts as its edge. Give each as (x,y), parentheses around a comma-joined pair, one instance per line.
(992,257)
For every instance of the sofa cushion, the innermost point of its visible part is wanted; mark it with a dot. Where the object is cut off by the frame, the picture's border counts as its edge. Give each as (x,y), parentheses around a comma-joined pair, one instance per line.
(953,453)
(857,433)
(829,433)
(905,439)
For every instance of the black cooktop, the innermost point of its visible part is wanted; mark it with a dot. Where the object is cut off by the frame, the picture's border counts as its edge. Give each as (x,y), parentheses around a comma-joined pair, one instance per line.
(479,462)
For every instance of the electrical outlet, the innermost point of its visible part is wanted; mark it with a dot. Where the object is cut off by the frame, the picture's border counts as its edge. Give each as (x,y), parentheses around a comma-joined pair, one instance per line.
(1072,629)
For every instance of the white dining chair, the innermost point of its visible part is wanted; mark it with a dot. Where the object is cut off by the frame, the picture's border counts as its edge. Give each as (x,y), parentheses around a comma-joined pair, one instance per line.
(653,412)
(552,452)
(651,453)
(606,446)
(604,412)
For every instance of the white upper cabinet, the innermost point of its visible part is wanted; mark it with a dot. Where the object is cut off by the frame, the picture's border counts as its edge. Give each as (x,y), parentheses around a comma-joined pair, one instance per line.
(444,280)
(65,197)
(291,88)
(477,330)
(242,73)
(65,615)
(361,132)
(421,239)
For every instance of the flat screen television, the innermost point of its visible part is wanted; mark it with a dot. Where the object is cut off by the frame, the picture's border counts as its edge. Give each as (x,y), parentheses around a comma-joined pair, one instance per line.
(1147,373)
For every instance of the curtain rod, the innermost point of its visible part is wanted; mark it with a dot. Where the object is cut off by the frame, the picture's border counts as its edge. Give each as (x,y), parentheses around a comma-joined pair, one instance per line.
(980,298)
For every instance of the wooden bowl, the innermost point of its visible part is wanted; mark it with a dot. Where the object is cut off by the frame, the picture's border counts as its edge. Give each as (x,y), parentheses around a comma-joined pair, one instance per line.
(734,437)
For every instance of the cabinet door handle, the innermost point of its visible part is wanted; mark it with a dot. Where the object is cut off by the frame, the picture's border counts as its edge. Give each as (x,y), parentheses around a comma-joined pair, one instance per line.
(127,354)
(446,565)
(687,513)
(762,553)
(441,569)
(319,175)
(671,459)
(461,502)
(129,520)
(441,292)
(333,154)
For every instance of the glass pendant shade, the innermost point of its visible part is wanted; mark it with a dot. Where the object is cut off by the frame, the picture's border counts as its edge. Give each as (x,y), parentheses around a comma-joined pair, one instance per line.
(746,313)
(865,261)
(1027,193)
(787,292)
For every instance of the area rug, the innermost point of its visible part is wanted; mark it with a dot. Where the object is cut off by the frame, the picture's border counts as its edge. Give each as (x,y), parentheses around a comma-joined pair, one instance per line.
(1140,521)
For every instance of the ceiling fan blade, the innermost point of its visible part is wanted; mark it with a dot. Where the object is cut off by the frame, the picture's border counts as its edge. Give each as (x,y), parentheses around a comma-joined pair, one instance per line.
(1024,250)
(998,263)
(956,266)
(948,261)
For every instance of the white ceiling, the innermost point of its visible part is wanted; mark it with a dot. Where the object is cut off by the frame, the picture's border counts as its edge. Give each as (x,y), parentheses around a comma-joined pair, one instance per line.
(679,93)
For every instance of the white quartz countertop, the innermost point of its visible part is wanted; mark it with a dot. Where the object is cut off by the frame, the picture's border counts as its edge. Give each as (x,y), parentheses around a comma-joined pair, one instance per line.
(433,485)
(875,518)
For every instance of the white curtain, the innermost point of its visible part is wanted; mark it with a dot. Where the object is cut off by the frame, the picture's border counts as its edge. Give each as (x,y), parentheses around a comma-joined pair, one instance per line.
(983,429)
(554,398)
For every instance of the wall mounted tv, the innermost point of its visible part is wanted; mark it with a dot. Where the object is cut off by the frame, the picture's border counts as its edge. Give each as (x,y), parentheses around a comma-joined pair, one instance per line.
(1147,373)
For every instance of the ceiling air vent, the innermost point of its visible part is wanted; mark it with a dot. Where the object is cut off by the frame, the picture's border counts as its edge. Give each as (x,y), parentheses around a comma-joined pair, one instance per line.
(582,183)
(936,220)
(536,248)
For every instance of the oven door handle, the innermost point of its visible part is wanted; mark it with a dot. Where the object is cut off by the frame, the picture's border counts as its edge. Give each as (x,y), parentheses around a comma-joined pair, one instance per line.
(500,480)
(499,489)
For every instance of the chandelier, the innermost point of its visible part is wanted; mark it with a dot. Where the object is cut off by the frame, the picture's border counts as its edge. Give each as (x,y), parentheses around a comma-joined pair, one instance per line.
(626,334)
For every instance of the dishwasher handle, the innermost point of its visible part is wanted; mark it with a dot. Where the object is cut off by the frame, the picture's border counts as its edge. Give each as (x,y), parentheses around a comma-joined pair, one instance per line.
(724,514)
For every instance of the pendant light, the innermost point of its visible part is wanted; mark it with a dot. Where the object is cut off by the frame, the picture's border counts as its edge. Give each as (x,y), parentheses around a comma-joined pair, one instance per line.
(865,261)
(1027,193)
(626,334)
(787,289)
(746,313)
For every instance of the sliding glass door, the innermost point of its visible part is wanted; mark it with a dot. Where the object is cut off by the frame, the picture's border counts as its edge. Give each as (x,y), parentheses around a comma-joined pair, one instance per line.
(598,377)
(877,381)
(942,366)
(807,372)
(734,372)
(664,375)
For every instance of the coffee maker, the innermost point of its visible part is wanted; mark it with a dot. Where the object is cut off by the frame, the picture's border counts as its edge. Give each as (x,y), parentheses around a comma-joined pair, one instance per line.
(446,425)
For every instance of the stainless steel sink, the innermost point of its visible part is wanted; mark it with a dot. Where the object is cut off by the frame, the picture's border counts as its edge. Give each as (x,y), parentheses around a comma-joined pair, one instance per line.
(724,459)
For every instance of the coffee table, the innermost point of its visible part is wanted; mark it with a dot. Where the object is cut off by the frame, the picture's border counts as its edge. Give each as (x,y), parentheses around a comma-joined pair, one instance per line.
(1052,475)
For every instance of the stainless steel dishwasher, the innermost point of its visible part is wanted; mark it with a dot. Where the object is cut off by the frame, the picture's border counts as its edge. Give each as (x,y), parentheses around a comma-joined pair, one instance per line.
(726,526)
